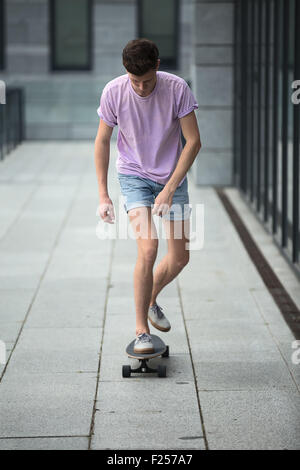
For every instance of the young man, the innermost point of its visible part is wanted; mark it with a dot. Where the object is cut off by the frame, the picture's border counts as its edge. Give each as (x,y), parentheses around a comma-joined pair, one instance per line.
(150,108)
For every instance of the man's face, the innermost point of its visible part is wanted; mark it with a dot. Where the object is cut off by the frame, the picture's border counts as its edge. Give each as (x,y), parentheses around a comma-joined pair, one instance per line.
(144,84)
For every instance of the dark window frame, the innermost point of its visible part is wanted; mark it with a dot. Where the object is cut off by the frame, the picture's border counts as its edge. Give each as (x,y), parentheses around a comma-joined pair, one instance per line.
(262,122)
(53,66)
(3,35)
(165,62)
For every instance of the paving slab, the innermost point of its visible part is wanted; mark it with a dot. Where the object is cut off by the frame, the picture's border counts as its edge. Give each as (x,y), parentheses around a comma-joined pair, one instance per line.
(46,405)
(30,235)
(9,330)
(191,292)
(80,264)
(46,443)
(81,239)
(251,420)
(290,352)
(166,425)
(269,310)
(220,278)
(119,305)
(68,303)
(22,270)
(12,199)
(57,350)
(159,395)
(158,429)
(226,375)
(221,309)
(14,304)
(234,331)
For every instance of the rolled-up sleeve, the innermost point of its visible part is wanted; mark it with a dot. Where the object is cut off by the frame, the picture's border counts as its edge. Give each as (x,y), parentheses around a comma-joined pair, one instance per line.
(106,109)
(186,101)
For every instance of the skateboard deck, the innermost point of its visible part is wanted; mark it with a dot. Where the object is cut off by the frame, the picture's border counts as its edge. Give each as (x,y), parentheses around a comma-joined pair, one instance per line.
(159,349)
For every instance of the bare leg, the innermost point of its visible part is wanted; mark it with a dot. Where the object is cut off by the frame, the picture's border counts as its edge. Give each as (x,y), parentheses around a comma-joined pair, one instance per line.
(143,281)
(147,244)
(176,258)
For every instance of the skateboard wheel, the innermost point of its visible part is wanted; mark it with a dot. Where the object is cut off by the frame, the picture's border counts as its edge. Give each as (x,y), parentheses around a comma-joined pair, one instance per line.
(161,371)
(126,371)
(166,353)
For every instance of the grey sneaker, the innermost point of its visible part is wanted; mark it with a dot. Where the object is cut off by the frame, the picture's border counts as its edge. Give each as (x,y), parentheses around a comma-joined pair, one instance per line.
(143,344)
(158,319)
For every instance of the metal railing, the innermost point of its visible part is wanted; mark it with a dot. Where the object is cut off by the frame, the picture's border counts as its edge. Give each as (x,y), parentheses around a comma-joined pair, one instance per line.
(11,120)
(267,121)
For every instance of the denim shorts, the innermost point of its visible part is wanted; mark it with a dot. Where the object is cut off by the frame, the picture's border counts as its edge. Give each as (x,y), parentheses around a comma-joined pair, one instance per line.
(139,191)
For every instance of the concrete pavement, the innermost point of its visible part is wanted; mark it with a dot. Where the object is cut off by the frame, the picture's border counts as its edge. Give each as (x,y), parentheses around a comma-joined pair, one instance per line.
(67,313)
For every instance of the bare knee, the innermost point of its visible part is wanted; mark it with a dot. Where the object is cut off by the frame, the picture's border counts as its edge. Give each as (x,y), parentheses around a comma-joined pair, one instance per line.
(148,253)
(181,261)
(148,256)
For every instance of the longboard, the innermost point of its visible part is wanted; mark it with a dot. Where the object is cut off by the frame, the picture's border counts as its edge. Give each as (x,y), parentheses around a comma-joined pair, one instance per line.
(160,349)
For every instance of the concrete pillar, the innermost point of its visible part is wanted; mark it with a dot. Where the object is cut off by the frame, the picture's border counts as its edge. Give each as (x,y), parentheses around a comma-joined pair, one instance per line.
(212,81)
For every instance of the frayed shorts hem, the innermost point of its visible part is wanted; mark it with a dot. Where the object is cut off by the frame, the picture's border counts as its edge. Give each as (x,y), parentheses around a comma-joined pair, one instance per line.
(171,215)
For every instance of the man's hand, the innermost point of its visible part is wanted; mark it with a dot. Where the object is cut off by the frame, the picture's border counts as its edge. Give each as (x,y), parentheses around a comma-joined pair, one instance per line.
(106,210)
(163,202)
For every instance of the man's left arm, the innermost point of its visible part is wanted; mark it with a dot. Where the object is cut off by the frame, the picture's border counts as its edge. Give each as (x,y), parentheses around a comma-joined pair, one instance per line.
(189,152)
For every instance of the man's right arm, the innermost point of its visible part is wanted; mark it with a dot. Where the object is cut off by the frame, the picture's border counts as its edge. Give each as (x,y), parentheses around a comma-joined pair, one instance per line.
(102,151)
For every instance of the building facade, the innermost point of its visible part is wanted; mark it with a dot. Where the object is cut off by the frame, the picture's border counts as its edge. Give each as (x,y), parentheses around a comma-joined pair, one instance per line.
(63,52)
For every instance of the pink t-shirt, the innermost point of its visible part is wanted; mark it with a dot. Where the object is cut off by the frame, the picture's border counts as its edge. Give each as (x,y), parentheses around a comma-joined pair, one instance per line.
(149,133)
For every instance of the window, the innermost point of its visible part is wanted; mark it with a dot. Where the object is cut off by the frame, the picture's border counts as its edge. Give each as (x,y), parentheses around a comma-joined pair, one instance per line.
(159,21)
(267,122)
(2,35)
(70,34)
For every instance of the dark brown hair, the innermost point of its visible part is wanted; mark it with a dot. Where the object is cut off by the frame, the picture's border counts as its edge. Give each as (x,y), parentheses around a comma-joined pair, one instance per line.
(139,56)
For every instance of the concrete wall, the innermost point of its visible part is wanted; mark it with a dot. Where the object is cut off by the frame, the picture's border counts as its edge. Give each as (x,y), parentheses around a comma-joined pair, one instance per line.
(63,104)
(212,81)
(115,25)
(26,37)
